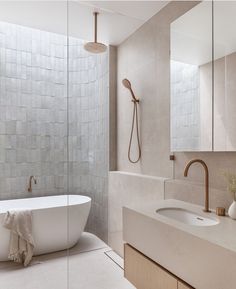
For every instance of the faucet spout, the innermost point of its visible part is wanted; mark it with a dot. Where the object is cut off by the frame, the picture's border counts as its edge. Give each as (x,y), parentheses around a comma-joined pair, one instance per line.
(206,209)
(30,183)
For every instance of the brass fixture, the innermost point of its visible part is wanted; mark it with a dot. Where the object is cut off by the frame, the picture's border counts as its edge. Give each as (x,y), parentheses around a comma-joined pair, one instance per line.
(135,101)
(206,180)
(30,183)
(95,47)
(127,85)
(220,211)
(172,157)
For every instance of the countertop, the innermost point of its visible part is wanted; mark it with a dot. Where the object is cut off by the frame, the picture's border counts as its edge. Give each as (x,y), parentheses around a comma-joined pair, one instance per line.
(222,234)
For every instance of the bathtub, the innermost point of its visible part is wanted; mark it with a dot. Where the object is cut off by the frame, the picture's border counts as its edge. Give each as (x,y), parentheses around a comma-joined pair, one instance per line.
(58,222)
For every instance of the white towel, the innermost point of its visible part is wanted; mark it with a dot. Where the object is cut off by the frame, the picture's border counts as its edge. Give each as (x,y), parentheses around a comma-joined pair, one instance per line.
(21,246)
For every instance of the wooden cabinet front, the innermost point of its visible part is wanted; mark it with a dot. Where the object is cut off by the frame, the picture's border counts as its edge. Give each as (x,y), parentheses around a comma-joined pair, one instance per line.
(146,274)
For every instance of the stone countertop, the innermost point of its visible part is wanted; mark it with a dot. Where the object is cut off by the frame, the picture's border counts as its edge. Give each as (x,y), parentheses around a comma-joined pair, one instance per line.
(222,234)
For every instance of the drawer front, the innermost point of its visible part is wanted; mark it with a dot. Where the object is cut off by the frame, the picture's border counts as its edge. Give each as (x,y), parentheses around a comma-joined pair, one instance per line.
(146,274)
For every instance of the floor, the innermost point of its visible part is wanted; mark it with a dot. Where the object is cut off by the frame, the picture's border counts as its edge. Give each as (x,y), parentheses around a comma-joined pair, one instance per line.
(90,267)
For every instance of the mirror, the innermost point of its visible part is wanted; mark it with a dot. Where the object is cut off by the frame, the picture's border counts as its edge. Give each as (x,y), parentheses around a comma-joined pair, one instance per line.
(224,76)
(203,92)
(191,80)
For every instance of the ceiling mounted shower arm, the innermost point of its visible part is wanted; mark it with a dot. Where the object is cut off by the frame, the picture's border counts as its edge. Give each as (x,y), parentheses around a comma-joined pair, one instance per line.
(95,47)
(95,26)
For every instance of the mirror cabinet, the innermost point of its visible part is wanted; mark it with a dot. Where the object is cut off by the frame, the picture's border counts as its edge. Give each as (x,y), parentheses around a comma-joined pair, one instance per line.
(203,78)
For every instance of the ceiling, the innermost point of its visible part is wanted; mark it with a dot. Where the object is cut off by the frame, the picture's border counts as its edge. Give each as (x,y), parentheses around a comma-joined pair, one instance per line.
(142,10)
(117,19)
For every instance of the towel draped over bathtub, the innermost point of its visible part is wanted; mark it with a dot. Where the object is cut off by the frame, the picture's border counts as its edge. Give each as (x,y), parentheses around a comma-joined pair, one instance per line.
(21,245)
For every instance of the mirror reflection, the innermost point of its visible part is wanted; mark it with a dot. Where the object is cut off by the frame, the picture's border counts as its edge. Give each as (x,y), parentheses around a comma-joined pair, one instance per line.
(203,101)
(224,76)
(191,80)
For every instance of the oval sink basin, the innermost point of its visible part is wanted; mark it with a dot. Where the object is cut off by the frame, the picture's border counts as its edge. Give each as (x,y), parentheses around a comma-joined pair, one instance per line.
(187,217)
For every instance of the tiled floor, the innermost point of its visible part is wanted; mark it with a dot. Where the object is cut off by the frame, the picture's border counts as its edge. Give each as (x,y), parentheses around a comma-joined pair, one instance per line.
(89,268)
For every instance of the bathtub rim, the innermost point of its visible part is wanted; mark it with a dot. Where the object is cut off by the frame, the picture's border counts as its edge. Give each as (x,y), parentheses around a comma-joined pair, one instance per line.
(42,206)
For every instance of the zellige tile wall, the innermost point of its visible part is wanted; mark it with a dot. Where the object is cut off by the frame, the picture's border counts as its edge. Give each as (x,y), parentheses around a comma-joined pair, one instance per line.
(88,131)
(32,111)
(185,101)
(33,118)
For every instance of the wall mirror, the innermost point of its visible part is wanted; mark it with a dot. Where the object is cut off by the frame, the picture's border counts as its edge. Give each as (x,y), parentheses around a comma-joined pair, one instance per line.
(224,76)
(203,91)
(192,80)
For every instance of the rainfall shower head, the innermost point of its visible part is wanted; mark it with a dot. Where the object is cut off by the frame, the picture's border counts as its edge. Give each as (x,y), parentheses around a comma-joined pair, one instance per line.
(127,85)
(95,47)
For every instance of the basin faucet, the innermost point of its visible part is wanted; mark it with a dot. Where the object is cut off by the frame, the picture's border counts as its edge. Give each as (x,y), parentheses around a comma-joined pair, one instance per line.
(30,183)
(206,180)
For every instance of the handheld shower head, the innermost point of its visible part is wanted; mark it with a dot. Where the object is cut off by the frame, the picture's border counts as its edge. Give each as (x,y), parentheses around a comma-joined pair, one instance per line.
(127,84)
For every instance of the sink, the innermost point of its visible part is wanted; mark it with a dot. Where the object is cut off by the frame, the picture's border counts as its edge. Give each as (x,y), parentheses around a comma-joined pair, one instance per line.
(187,217)
(170,233)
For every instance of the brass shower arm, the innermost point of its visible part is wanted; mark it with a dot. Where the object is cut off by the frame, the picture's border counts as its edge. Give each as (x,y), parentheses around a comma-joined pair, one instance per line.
(95,26)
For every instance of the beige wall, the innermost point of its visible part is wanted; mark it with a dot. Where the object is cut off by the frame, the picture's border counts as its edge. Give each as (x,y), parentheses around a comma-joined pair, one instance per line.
(131,190)
(144,59)
(205,107)
(225,103)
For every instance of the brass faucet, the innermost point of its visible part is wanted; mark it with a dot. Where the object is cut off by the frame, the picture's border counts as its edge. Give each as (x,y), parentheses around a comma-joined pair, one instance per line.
(30,183)
(206,180)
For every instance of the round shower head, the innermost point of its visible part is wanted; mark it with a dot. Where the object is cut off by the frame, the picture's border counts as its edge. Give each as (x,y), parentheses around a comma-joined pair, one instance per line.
(95,47)
(126,83)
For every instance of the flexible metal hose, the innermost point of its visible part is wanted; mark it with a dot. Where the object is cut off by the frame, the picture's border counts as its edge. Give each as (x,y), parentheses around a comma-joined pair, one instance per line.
(135,119)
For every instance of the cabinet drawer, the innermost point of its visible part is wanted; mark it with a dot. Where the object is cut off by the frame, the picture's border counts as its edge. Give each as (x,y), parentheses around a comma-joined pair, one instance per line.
(146,274)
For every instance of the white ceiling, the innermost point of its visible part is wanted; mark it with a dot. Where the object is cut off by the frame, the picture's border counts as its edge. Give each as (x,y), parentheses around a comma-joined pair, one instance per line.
(142,10)
(117,19)
(191,34)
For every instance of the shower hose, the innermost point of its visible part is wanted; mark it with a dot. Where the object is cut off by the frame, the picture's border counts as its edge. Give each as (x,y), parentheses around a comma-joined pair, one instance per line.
(134,120)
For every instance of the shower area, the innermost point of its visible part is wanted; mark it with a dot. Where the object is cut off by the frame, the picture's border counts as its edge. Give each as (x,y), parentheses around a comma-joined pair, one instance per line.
(54,110)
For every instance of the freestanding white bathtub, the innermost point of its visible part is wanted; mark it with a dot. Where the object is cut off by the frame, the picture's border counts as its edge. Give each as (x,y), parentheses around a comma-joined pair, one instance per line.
(58,222)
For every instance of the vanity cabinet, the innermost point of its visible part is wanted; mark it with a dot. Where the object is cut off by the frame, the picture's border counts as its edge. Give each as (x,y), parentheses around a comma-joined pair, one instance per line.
(144,273)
